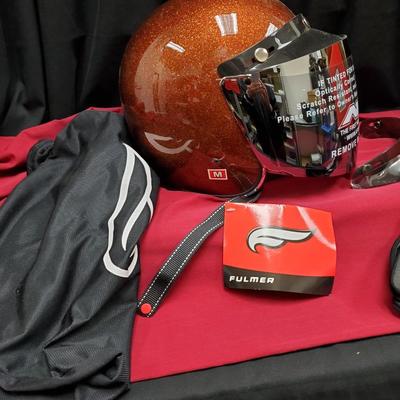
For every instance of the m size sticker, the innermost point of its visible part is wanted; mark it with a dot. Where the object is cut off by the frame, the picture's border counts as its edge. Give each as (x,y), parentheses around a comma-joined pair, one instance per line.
(217,174)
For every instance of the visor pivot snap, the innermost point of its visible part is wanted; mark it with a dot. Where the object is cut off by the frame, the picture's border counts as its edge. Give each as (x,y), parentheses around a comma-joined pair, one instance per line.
(261,54)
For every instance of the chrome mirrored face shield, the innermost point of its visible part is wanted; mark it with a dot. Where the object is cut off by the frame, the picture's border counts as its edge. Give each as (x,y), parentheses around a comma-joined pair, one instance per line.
(295,96)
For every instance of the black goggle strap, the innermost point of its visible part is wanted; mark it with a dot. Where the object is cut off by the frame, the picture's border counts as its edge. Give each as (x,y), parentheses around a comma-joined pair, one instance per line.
(395,274)
(180,257)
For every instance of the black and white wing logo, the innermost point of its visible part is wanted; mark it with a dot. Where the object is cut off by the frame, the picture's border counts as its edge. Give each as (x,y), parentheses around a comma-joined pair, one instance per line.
(273,237)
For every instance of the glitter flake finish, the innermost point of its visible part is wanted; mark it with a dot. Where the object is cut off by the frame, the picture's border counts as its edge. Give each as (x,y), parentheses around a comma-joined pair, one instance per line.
(171,93)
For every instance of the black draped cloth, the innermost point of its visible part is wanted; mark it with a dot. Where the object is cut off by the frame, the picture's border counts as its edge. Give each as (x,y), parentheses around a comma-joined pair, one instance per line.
(58,57)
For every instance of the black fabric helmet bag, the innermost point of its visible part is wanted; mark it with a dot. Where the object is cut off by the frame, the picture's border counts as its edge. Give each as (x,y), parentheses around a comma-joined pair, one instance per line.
(69,263)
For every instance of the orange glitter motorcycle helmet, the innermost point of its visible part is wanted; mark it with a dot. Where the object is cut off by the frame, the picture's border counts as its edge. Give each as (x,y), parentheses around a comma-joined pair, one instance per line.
(218,92)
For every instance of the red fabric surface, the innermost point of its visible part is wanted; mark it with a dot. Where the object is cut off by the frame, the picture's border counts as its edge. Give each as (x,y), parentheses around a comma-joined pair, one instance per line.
(201,324)
(14,151)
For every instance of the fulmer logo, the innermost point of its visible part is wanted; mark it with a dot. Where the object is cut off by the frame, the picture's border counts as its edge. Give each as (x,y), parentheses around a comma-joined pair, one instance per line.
(251,279)
(217,174)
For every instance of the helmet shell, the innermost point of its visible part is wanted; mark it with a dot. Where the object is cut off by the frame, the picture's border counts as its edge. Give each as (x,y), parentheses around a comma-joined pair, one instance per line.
(170,90)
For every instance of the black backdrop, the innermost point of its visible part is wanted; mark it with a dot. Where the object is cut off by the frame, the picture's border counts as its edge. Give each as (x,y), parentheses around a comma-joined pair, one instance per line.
(58,57)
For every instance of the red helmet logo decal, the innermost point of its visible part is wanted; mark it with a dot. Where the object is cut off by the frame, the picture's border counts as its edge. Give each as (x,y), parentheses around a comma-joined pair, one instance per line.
(351,116)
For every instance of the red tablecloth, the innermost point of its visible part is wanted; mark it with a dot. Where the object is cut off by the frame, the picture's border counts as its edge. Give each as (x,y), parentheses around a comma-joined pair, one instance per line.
(201,324)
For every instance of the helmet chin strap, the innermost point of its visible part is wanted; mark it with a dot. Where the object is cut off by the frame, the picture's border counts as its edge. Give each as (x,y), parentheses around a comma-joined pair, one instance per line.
(181,256)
